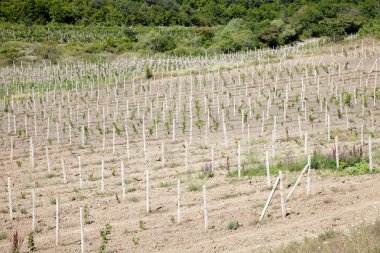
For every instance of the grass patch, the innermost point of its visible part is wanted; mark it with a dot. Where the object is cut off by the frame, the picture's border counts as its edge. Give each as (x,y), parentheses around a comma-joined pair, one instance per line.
(3,236)
(232,225)
(363,238)
(194,186)
(166,184)
(134,199)
(351,162)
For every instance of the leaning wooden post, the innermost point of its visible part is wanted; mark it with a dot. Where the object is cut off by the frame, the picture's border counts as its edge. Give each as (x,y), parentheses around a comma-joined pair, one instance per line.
(81,230)
(10,198)
(57,221)
(267,167)
(337,152)
(178,201)
(205,207)
(283,207)
(269,198)
(297,181)
(147,192)
(370,153)
(308,179)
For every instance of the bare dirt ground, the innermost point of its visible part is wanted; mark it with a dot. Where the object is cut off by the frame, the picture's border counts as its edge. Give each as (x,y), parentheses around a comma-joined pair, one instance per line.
(336,202)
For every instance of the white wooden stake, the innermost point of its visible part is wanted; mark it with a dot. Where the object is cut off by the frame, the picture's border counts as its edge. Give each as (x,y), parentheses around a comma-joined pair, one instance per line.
(82,135)
(283,207)
(122,178)
(297,182)
(267,167)
(48,160)
(224,130)
(269,198)
(63,171)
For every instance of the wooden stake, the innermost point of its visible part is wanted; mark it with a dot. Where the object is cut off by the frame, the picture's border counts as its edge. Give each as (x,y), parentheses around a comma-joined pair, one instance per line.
(267,167)
(48,160)
(224,130)
(269,198)
(297,182)
(63,171)
(283,207)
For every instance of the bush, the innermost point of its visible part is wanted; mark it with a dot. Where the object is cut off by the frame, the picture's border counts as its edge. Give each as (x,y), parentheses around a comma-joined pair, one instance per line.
(156,42)
(233,225)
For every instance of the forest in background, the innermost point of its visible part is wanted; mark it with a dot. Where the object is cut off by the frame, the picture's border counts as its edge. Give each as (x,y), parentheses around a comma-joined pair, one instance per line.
(54,29)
